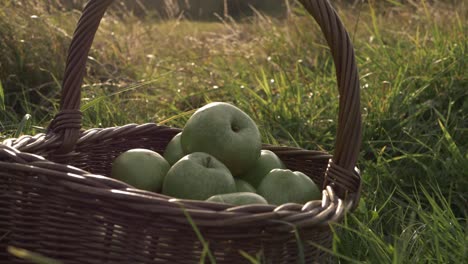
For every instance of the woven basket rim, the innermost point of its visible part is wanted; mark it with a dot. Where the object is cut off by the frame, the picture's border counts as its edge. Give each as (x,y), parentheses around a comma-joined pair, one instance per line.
(283,217)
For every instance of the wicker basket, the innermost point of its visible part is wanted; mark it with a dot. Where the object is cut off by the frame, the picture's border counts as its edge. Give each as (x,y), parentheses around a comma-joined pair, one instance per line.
(55,201)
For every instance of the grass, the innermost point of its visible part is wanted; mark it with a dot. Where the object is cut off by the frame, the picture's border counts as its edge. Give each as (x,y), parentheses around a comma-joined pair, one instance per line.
(412,64)
(31,256)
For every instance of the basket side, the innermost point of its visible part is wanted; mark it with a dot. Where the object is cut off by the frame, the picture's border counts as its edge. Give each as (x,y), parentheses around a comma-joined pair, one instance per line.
(68,214)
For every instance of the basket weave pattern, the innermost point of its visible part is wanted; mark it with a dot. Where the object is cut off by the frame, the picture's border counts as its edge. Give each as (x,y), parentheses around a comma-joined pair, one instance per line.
(56,200)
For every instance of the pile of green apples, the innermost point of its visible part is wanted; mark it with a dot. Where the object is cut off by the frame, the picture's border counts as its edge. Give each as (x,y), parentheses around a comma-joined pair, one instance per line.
(217,157)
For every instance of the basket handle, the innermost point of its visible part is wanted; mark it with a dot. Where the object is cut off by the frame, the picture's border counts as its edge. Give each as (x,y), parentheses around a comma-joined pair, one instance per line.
(341,172)
(67,122)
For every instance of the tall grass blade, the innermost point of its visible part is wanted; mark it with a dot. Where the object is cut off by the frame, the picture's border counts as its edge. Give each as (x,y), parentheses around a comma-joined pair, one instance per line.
(31,256)
(134,87)
(2,97)
(23,124)
(300,247)
(452,146)
(206,250)
(186,113)
(249,257)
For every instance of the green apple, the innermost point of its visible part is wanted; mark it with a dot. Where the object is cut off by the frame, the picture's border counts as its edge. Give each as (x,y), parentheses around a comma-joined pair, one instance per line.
(238,198)
(198,176)
(285,186)
(225,132)
(141,168)
(267,161)
(243,186)
(173,151)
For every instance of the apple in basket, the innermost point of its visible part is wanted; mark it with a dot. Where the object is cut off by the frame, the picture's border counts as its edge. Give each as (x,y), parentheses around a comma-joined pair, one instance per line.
(174,151)
(285,186)
(238,198)
(198,176)
(225,132)
(243,186)
(267,161)
(142,168)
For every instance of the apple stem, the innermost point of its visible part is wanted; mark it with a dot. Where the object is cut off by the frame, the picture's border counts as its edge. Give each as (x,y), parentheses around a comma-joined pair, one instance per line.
(208,162)
(234,128)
